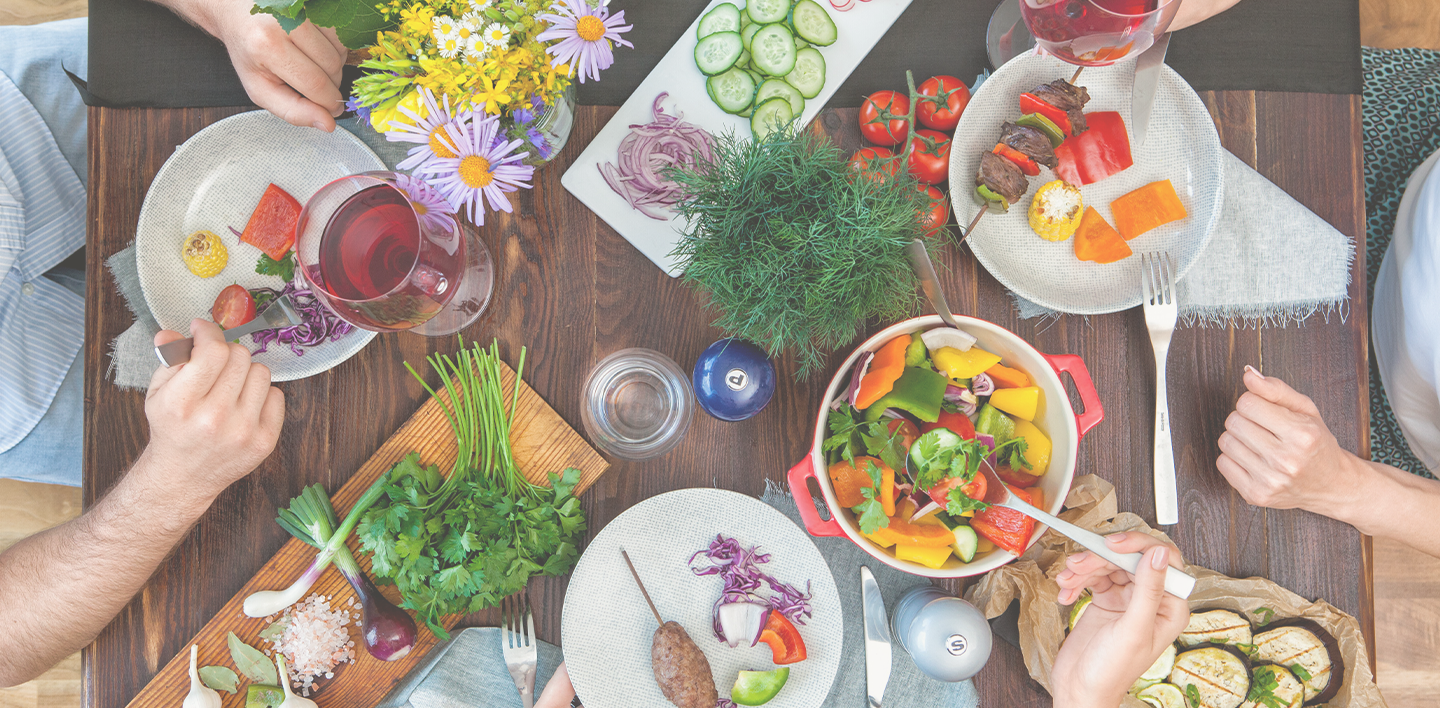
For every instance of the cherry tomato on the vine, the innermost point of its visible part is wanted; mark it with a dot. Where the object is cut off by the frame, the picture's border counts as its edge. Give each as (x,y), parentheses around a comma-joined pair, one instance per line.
(930,156)
(882,117)
(934,217)
(946,99)
(872,161)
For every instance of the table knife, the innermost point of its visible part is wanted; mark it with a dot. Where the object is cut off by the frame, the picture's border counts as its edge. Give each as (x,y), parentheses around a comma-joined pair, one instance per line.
(280,313)
(1147,79)
(877,639)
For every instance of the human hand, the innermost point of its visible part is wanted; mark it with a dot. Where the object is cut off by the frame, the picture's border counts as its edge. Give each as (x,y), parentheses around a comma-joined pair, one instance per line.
(213,419)
(558,692)
(1277,452)
(1129,622)
(296,76)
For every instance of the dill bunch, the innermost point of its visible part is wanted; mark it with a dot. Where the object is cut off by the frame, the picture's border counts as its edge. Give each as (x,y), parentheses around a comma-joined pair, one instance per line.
(794,250)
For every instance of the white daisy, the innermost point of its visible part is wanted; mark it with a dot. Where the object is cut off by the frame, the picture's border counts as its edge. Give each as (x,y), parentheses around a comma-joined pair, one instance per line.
(450,47)
(480,5)
(469,26)
(497,35)
(444,28)
(476,48)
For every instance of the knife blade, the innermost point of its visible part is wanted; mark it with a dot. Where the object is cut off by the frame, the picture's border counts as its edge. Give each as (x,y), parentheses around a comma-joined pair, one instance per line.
(1147,79)
(877,639)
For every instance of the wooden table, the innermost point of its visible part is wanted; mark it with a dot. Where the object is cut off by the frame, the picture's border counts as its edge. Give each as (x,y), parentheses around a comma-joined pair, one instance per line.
(573,291)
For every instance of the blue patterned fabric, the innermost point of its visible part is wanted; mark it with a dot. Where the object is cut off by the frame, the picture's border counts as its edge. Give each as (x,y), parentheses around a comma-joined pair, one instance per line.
(42,221)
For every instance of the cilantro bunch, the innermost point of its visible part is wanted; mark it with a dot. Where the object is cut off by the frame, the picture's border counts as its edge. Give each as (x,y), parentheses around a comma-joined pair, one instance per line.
(461,543)
(846,436)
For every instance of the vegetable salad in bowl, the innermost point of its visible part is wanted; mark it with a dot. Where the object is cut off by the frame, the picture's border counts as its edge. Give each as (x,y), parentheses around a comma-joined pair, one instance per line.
(907,437)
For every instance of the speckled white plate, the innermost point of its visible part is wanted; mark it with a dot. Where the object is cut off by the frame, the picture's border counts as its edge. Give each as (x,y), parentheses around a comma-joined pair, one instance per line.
(606,627)
(1182,146)
(212,182)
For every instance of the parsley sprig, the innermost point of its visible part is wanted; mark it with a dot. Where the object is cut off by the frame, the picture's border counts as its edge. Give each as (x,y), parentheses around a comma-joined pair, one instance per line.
(847,435)
(460,543)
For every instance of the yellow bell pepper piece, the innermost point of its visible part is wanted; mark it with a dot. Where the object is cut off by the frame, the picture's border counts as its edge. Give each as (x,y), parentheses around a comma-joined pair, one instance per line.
(879,539)
(1037,447)
(902,532)
(1019,402)
(968,364)
(887,491)
(928,556)
(985,545)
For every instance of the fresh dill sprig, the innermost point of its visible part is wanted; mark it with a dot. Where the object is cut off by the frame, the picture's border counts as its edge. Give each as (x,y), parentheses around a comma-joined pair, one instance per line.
(795,250)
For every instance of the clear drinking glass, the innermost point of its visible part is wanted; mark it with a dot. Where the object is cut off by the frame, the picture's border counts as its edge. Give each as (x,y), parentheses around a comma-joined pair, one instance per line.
(385,252)
(1081,32)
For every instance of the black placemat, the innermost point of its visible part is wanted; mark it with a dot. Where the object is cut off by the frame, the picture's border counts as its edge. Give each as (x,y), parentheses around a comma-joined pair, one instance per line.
(142,55)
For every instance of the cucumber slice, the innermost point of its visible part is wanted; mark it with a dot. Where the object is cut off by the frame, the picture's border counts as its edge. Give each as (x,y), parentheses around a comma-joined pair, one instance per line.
(765,12)
(743,61)
(747,34)
(747,113)
(813,24)
(800,43)
(754,75)
(745,20)
(718,52)
(733,91)
(721,18)
(937,439)
(777,87)
(965,543)
(808,76)
(773,50)
(770,116)
(995,424)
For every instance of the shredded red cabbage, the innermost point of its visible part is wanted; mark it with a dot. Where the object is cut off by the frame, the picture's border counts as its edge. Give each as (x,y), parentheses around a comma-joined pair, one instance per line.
(648,150)
(319,323)
(738,568)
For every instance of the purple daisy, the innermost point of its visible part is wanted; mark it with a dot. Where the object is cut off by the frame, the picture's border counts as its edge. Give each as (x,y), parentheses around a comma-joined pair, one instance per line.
(481,170)
(428,132)
(587,33)
(436,215)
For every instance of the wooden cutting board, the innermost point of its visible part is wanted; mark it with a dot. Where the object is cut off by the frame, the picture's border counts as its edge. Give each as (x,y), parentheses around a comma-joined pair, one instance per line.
(542,442)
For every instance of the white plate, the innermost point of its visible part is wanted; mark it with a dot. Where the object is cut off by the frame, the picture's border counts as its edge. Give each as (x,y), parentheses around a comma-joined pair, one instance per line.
(213,181)
(606,627)
(860,28)
(1182,146)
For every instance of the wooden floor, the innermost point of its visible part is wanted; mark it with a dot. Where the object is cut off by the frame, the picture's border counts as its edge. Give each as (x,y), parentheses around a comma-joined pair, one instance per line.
(1407,583)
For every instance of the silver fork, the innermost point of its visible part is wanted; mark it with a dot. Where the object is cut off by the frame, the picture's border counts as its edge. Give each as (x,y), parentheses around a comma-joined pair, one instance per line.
(1157,280)
(517,644)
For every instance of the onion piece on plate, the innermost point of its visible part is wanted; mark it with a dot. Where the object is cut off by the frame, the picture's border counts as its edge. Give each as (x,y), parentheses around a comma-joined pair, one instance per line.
(646,152)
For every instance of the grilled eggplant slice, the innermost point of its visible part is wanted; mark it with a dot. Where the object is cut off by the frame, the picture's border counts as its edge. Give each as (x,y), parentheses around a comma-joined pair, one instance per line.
(1302,642)
(1215,627)
(1218,672)
(1278,682)
(1163,695)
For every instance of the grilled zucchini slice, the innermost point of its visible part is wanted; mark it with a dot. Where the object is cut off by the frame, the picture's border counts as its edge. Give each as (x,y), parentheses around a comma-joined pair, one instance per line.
(1217,627)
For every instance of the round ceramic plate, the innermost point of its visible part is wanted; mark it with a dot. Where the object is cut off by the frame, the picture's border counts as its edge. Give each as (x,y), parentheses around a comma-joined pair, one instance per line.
(1182,146)
(212,183)
(606,627)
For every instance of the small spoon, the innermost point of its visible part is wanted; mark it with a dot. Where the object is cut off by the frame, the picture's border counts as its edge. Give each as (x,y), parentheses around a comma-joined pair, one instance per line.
(1177,582)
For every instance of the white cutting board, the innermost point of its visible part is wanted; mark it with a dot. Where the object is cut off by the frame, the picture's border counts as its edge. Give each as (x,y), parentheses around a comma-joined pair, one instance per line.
(860,28)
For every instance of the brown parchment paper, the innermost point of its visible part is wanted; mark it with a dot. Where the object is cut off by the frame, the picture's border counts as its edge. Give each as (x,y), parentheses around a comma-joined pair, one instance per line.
(1091,505)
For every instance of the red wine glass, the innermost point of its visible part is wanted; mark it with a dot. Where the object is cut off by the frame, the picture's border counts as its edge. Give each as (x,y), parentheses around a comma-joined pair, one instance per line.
(1081,32)
(385,252)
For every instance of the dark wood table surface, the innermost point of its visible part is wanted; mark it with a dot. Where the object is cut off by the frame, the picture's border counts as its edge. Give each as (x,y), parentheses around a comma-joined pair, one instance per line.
(574,291)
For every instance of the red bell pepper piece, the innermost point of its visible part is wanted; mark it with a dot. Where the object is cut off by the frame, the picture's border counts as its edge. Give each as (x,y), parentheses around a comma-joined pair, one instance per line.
(272,225)
(955,422)
(1030,103)
(786,646)
(1008,529)
(1025,164)
(1097,153)
(1015,477)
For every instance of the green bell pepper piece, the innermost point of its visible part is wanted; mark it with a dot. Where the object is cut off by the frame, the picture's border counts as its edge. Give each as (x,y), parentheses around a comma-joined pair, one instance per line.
(1044,125)
(918,391)
(991,199)
(916,354)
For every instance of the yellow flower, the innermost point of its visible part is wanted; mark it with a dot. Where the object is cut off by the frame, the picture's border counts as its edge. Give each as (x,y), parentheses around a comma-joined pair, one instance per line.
(491,94)
(381,115)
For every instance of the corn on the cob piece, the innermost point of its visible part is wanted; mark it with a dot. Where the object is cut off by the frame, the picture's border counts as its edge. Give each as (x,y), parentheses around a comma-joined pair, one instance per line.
(204,254)
(1055,210)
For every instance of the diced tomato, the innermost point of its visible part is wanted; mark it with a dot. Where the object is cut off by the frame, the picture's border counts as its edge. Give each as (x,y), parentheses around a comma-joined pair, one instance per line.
(272,225)
(1008,529)
(786,645)
(956,422)
(1030,103)
(908,431)
(233,307)
(1014,477)
(975,489)
(1097,153)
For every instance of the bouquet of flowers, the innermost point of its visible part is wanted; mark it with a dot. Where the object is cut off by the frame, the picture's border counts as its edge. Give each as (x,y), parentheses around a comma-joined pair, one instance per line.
(468,81)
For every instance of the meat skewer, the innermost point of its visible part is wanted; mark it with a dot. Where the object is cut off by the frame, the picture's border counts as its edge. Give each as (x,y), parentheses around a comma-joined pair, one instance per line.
(681,669)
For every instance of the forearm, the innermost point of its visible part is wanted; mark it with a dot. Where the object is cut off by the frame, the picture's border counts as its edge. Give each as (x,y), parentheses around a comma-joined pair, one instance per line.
(1390,503)
(59,588)
(198,12)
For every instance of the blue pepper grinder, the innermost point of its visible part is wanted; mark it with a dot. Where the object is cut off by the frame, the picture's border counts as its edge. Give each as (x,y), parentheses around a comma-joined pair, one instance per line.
(947,637)
(733,379)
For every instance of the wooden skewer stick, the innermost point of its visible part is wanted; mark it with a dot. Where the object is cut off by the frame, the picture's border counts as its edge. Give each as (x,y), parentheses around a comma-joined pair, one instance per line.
(1076,77)
(642,586)
(973,223)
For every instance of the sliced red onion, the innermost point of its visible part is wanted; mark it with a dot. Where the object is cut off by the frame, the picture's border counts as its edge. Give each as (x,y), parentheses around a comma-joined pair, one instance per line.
(921,512)
(318,324)
(892,413)
(738,568)
(861,367)
(842,5)
(986,440)
(646,152)
(903,489)
(982,385)
(962,397)
(742,622)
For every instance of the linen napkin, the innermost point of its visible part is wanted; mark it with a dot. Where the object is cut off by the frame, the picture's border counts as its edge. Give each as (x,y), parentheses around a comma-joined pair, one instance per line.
(1270,261)
(467,671)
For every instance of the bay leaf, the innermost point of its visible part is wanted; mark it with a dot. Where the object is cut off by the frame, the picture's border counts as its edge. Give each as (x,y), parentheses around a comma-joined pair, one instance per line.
(252,662)
(219,678)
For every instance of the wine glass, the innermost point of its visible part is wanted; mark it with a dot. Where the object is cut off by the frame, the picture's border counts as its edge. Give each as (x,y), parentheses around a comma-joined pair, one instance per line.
(1081,32)
(385,252)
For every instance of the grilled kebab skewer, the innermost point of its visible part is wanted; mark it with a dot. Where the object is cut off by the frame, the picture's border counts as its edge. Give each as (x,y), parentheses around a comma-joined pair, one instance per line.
(681,669)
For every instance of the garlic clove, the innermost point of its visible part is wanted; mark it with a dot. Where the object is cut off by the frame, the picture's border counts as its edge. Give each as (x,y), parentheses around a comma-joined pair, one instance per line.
(200,696)
(291,700)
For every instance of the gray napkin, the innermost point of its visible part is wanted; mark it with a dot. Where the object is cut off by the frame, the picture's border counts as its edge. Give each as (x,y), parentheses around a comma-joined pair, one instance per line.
(1270,261)
(469,670)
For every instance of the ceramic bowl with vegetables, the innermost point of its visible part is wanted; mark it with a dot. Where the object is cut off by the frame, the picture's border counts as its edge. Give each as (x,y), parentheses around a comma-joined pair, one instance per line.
(907,422)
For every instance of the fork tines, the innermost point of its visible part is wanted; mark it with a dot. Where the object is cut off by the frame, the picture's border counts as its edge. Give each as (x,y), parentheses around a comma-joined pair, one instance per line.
(517,621)
(1157,278)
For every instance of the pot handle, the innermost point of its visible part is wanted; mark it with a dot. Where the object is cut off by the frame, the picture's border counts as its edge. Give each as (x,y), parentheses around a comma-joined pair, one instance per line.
(799,476)
(1075,366)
